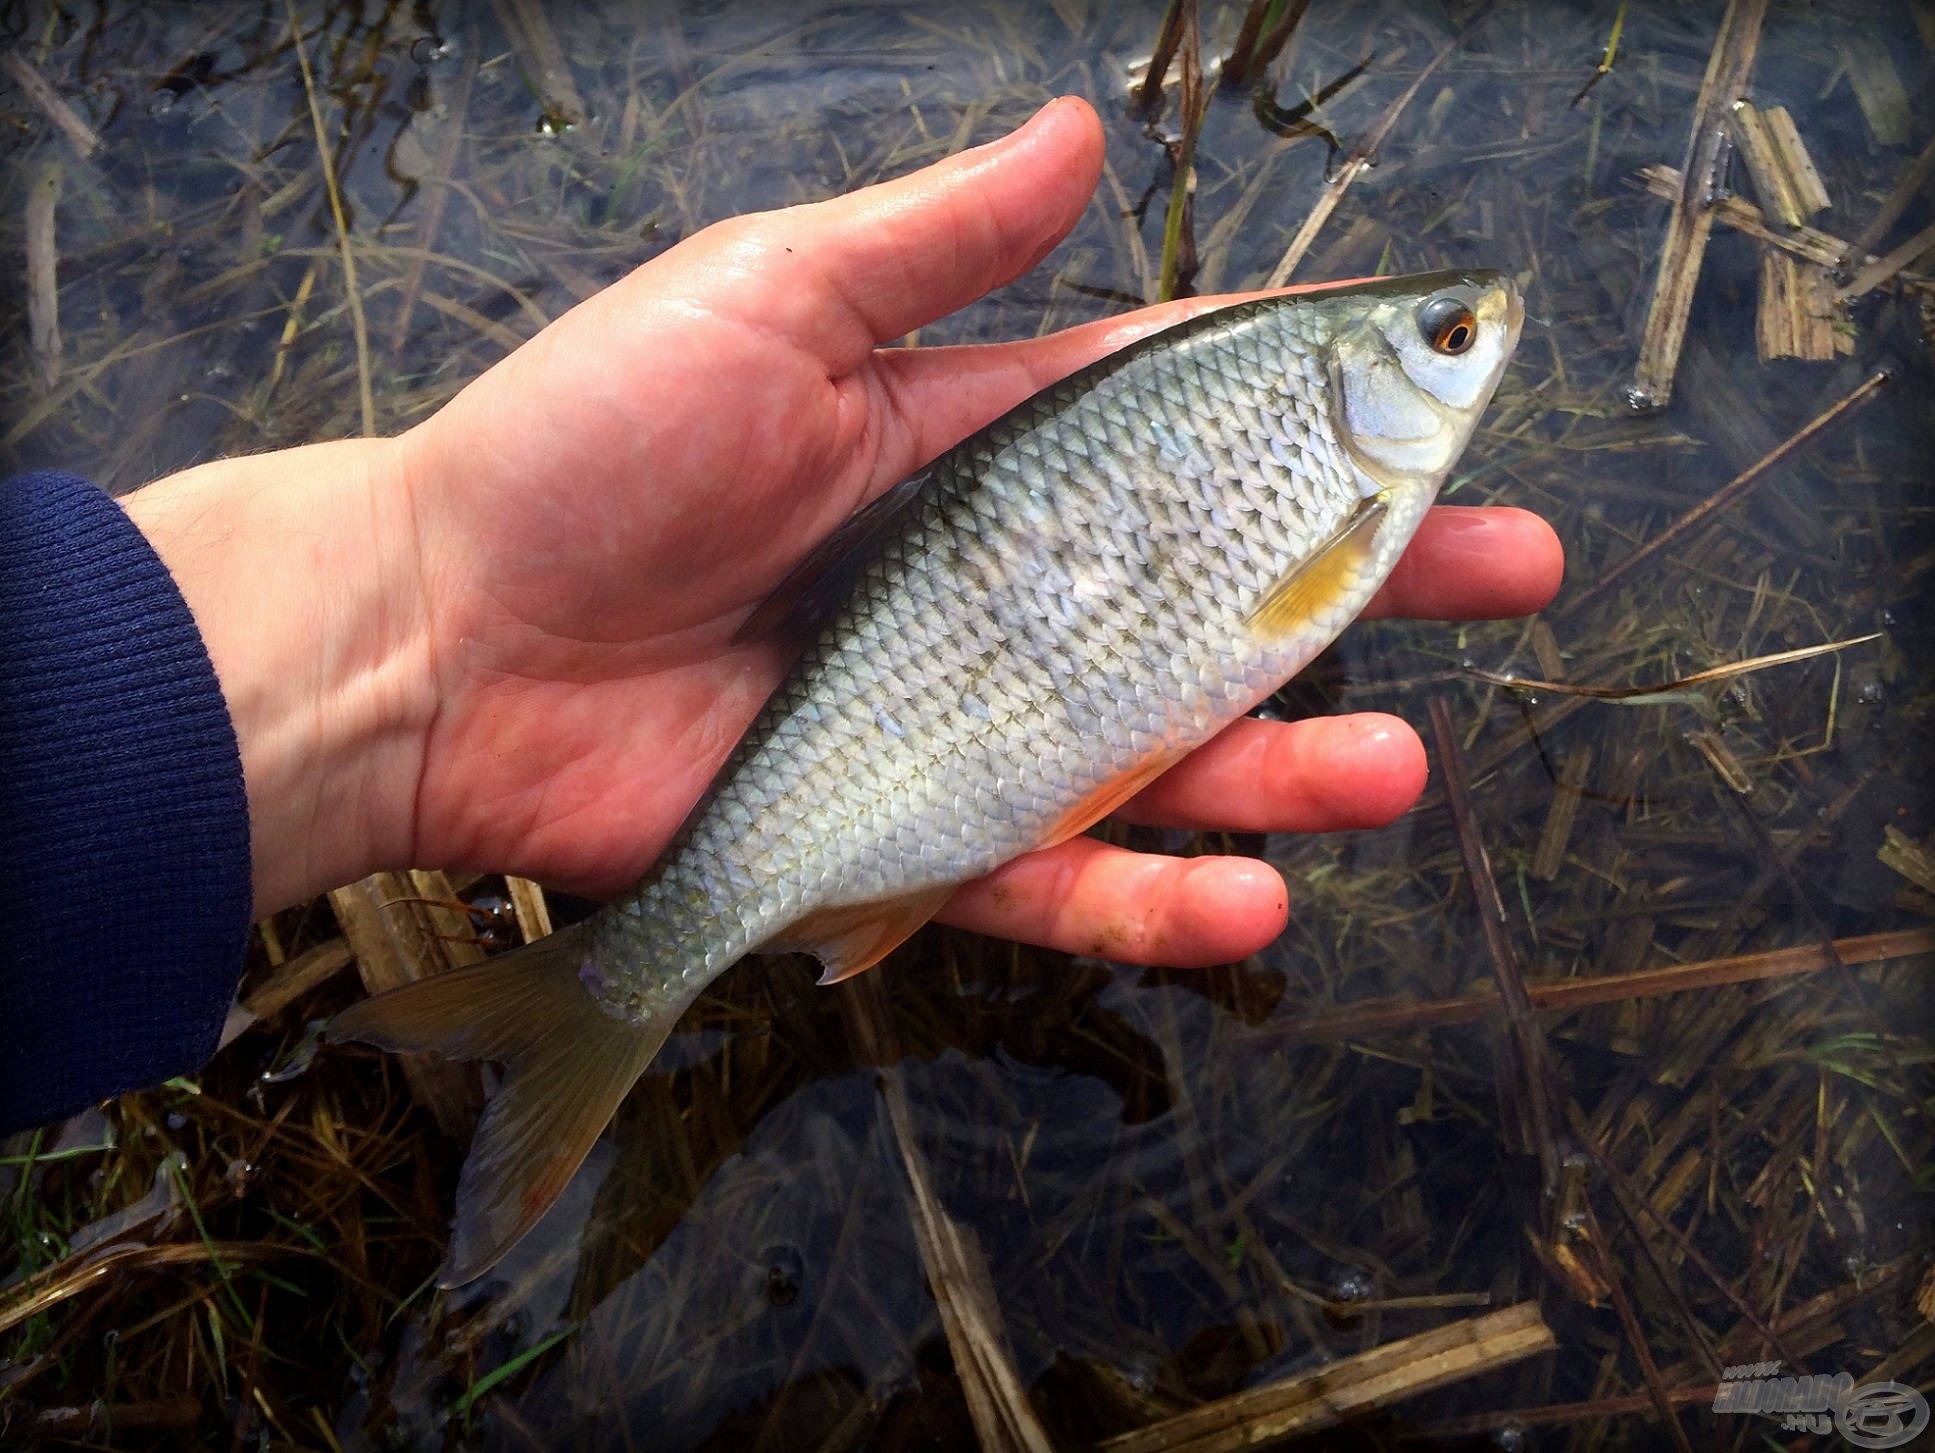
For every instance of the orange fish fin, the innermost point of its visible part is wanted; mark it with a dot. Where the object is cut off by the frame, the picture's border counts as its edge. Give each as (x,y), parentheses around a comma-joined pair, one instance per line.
(1109,796)
(567,1065)
(1320,580)
(851,938)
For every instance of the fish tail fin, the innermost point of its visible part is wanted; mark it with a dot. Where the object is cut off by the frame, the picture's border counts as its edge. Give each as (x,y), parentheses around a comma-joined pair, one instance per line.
(567,1065)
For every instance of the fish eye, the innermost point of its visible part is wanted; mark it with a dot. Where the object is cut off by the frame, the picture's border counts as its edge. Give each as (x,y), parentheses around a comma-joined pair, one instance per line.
(1448,325)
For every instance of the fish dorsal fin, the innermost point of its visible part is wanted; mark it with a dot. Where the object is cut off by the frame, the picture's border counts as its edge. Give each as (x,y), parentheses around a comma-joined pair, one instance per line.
(567,1065)
(801,604)
(1326,577)
(852,937)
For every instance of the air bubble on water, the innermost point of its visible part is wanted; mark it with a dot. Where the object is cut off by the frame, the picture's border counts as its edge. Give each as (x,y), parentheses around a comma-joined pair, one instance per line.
(1509,1436)
(162,100)
(176,1119)
(1887,617)
(1352,1286)
(785,1270)
(237,1175)
(1870,693)
(427,49)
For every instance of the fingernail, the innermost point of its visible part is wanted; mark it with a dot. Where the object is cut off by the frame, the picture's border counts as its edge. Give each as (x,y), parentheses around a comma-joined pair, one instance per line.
(1028,125)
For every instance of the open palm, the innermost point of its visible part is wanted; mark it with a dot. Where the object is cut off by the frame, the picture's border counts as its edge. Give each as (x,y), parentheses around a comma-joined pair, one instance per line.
(597,515)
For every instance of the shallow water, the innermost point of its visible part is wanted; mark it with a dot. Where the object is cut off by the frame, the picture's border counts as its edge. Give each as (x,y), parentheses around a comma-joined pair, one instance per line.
(1181,1184)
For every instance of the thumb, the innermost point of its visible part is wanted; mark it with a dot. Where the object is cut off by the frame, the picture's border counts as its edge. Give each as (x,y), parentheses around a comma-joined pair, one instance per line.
(842,276)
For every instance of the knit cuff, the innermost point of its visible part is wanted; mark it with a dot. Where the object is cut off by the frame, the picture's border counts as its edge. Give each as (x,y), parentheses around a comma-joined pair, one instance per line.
(124,825)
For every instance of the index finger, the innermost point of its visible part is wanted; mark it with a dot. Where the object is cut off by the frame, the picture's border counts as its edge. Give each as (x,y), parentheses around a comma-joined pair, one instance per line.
(1474,563)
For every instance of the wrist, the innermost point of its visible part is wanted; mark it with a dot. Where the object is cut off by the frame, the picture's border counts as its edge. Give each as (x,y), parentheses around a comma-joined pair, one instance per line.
(301,570)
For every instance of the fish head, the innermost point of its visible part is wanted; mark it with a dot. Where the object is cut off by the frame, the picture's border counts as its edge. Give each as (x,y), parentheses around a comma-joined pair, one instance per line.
(1413,363)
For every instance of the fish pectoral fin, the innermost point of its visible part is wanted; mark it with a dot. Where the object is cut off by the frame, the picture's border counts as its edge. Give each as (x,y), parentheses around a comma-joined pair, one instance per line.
(851,938)
(805,600)
(567,1065)
(1322,579)
(1099,803)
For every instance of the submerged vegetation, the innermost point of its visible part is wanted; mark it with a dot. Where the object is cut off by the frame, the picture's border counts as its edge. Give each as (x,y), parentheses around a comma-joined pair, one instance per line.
(1604,1071)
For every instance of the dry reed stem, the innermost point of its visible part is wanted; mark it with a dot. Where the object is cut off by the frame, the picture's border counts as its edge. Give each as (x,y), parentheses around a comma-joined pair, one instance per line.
(1900,197)
(1872,275)
(1809,244)
(1732,492)
(1525,1078)
(957,1271)
(43,282)
(39,90)
(1348,1388)
(394,946)
(542,59)
(1687,228)
(1362,1020)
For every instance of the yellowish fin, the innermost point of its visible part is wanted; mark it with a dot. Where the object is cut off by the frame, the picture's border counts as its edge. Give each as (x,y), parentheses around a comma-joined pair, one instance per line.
(567,1065)
(1314,586)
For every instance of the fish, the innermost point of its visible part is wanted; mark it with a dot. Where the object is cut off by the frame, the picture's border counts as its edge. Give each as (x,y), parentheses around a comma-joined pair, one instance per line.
(992,656)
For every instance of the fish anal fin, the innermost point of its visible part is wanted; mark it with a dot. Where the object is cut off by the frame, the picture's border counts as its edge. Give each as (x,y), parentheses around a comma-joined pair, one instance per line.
(567,1065)
(1321,580)
(851,938)
(1103,800)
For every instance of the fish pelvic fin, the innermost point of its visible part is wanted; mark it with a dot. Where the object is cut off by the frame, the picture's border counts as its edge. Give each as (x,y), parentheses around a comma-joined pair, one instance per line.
(567,1064)
(851,938)
(1326,577)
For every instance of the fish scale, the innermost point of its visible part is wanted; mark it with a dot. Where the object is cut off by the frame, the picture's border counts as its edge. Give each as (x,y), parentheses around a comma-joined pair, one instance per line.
(997,653)
(879,799)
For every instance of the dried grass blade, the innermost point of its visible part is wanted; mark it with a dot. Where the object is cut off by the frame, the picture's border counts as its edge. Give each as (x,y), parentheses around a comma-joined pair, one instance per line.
(1352,168)
(1733,490)
(1698,678)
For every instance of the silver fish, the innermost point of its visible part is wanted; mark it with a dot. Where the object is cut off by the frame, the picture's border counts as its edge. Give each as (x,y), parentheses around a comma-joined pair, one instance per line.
(998,652)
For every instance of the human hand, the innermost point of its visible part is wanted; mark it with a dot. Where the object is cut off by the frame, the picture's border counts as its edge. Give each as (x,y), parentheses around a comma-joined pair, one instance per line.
(525,659)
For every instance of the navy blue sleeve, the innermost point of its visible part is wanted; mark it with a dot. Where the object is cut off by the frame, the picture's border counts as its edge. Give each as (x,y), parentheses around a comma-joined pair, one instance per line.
(124,827)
